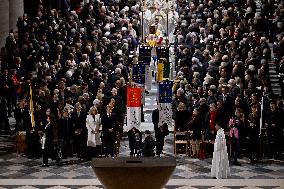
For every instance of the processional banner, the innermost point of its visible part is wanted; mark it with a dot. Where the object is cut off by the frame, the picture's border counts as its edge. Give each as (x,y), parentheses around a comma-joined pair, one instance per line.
(133,108)
(145,59)
(160,74)
(163,55)
(165,102)
(138,73)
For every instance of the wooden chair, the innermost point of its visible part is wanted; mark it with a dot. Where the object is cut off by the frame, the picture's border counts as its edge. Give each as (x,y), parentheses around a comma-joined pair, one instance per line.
(181,138)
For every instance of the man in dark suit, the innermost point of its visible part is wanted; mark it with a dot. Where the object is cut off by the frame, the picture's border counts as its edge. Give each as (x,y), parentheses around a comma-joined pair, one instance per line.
(155,120)
(118,109)
(79,125)
(109,127)
(22,117)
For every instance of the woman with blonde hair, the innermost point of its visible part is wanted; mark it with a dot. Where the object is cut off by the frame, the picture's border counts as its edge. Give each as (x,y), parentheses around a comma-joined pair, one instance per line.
(93,124)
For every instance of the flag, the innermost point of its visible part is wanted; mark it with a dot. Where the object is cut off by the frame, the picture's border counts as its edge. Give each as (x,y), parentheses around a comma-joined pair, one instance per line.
(32,107)
(165,102)
(133,108)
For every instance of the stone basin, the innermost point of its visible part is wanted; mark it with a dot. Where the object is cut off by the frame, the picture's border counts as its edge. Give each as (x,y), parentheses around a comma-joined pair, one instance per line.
(134,172)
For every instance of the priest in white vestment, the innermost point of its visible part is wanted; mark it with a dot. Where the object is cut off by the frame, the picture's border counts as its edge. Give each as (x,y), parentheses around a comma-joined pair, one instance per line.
(220,163)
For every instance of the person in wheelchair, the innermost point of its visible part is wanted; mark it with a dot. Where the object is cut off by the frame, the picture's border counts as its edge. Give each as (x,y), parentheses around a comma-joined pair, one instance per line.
(148,145)
(135,141)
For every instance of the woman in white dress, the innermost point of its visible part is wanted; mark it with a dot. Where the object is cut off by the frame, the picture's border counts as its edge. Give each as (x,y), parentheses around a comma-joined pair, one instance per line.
(93,123)
(220,163)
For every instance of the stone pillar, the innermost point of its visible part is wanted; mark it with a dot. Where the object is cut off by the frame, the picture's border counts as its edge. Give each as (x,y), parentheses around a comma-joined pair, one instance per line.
(16,9)
(4,21)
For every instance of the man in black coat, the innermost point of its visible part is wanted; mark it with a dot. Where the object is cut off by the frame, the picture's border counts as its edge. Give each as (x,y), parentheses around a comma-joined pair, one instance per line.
(109,127)
(274,129)
(148,145)
(7,88)
(79,124)
(155,120)
(118,109)
(229,103)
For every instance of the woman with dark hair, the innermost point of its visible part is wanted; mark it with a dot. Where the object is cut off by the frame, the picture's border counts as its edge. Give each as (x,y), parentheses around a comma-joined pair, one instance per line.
(49,138)
(65,133)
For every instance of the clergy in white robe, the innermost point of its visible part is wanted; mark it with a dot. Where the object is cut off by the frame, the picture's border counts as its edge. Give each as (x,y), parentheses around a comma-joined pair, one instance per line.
(220,163)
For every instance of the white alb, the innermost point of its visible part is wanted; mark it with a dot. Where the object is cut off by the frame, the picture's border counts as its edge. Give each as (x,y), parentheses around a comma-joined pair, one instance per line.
(220,163)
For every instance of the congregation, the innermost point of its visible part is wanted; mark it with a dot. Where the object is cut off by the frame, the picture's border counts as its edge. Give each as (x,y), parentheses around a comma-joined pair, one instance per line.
(76,64)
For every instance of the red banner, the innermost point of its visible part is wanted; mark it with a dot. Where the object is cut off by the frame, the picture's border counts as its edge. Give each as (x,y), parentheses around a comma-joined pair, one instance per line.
(134,97)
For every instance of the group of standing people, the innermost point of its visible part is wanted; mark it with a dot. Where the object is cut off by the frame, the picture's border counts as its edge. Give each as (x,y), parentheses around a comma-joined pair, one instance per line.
(76,133)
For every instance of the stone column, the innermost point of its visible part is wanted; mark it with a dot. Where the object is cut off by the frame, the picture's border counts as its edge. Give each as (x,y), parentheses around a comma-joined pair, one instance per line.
(4,21)
(16,9)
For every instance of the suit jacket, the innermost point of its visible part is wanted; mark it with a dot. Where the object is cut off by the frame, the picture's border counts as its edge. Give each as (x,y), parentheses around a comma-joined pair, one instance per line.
(65,131)
(109,122)
(23,119)
(79,122)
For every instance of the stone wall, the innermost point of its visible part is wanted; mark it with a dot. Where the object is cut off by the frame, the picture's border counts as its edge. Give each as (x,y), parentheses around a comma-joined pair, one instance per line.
(10,10)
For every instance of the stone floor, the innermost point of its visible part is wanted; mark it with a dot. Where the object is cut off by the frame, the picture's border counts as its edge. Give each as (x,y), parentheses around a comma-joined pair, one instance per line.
(20,172)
